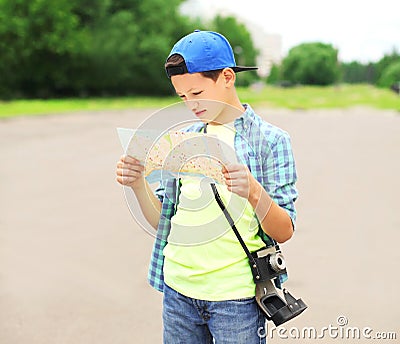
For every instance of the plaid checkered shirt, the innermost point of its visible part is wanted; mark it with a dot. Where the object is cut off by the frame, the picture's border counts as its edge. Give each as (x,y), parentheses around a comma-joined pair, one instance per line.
(266,150)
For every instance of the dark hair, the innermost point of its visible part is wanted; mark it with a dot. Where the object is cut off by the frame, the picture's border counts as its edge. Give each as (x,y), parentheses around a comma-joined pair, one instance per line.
(177,60)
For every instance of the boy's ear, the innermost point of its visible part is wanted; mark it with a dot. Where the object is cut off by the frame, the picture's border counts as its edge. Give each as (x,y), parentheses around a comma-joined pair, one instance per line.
(229,77)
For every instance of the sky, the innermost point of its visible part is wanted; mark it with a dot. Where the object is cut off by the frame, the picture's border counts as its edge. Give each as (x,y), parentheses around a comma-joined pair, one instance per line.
(362,31)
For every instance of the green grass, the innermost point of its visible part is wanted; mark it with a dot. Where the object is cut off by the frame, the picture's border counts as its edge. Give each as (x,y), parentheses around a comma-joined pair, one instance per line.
(311,97)
(54,106)
(306,97)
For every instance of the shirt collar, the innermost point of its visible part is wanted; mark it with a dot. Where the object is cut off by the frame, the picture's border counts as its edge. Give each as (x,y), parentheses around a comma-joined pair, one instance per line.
(243,122)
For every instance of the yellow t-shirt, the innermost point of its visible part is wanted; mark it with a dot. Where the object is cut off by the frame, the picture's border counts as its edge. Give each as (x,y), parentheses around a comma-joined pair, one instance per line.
(203,257)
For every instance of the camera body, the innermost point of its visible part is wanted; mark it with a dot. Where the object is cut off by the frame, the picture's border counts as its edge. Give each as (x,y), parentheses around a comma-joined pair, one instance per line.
(268,264)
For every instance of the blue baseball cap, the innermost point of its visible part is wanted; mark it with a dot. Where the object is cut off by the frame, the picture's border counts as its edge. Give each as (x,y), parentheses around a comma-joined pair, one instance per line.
(203,51)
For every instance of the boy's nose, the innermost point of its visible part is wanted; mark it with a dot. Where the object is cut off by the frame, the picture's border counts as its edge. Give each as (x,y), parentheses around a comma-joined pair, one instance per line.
(192,104)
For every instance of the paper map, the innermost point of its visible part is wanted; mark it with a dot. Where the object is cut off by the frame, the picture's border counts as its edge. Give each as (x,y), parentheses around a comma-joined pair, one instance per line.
(175,153)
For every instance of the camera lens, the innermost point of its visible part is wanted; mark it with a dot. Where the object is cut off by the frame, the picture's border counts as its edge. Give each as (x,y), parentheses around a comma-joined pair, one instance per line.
(277,262)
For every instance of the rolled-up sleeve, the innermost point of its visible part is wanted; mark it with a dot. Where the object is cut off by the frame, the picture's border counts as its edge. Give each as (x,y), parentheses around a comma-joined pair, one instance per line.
(281,175)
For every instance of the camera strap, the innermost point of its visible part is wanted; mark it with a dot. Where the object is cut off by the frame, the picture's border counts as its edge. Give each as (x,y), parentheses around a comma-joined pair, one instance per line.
(253,263)
(273,306)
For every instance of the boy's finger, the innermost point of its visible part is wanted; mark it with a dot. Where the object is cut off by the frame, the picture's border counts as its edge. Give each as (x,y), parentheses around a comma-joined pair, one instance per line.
(232,167)
(129,159)
(125,180)
(125,165)
(132,163)
(128,172)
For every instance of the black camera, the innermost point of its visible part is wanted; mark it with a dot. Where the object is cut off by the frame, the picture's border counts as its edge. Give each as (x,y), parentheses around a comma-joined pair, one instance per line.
(268,264)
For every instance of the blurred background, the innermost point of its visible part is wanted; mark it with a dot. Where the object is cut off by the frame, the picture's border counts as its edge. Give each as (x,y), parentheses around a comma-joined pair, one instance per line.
(98,48)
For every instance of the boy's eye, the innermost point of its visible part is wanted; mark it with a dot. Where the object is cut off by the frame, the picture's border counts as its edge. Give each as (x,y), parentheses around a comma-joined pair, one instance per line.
(197,93)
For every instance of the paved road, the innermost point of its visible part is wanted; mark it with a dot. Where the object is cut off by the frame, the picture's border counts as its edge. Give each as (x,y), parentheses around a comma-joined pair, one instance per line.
(73,262)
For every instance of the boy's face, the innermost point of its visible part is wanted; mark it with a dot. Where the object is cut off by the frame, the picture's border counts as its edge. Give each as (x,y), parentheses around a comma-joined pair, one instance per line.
(205,97)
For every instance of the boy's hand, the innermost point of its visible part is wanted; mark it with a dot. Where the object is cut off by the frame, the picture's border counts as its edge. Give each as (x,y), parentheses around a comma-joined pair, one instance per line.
(239,180)
(130,172)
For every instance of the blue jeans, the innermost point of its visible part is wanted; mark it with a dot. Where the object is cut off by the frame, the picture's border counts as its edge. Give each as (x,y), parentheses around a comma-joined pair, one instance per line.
(191,321)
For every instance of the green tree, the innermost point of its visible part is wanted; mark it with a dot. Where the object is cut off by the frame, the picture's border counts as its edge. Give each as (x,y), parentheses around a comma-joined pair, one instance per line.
(356,72)
(390,75)
(127,47)
(37,38)
(242,45)
(158,26)
(124,63)
(274,75)
(311,64)
(90,12)
(385,62)
(86,47)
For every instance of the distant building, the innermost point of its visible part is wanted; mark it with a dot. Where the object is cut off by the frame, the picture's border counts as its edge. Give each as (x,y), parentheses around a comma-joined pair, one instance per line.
(200,9)
(268,45)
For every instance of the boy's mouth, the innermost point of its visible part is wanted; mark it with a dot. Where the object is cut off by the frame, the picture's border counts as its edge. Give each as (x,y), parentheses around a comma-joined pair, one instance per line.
(200,113)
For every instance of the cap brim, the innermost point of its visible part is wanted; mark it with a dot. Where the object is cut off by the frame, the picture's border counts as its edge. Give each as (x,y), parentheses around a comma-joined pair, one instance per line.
(237,69)
(182,69)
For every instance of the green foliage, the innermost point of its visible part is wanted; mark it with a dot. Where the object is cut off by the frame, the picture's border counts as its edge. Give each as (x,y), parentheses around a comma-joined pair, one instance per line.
(37,39)
(390,75)
(311,64)
(242,45)
(382,64)
(86,47)
(356,72)
(274,75)
(90,12)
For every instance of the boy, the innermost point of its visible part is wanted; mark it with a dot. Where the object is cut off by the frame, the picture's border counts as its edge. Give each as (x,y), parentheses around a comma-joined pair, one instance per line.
(207,284)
